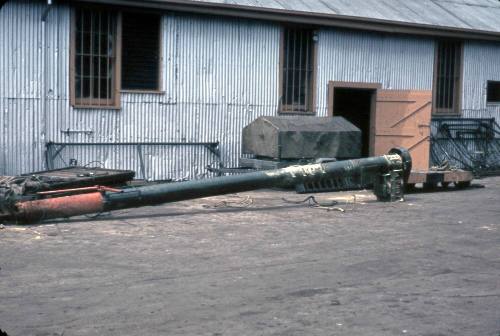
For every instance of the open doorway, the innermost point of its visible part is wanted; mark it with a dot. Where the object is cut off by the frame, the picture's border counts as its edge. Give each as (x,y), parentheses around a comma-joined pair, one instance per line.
(356,103)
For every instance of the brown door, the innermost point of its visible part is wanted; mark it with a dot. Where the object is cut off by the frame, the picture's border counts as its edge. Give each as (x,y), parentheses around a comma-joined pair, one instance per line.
(403,118)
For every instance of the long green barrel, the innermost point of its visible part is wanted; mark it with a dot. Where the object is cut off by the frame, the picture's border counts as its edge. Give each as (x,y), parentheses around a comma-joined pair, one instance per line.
(384,172)
(367,169)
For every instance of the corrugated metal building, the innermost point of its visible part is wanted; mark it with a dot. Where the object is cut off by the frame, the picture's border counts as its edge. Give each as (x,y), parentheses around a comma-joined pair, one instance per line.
(221,65)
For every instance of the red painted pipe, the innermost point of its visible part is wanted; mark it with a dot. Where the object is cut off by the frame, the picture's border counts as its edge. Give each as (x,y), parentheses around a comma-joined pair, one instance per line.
(60,207)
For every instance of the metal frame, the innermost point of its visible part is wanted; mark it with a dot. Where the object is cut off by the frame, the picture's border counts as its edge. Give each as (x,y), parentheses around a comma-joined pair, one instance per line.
(468,143)
(53,149)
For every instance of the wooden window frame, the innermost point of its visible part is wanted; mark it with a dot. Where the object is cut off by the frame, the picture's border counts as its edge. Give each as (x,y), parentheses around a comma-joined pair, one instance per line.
(282,108)
(160,89)
(117,81)
(93,103)
(457,101)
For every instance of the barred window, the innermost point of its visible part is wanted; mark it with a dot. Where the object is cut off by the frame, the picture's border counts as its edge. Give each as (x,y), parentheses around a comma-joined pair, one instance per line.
(94,58)
(297,71)
(447,77)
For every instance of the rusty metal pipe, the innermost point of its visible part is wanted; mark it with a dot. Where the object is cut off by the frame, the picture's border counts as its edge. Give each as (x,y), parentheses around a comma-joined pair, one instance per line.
(60,207)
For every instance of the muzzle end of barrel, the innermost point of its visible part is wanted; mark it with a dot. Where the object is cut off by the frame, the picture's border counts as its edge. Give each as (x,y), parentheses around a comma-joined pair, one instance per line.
(406,160)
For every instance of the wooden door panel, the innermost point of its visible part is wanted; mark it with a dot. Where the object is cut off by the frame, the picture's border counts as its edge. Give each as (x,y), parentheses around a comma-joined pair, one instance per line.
(403,119)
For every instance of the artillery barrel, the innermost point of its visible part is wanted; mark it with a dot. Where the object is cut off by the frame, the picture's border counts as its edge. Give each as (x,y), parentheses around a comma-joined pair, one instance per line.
(368,169)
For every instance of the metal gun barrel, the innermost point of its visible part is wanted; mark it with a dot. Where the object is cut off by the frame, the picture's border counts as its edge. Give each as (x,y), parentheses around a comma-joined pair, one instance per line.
(368,169)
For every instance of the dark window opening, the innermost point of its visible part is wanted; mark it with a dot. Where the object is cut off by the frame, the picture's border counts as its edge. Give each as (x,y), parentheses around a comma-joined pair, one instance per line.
(355,106)
(297,71)
(493,92)
(447,77)
(140,51)
(94,58)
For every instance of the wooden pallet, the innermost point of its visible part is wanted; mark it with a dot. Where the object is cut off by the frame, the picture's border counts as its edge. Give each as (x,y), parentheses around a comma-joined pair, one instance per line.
(433,179)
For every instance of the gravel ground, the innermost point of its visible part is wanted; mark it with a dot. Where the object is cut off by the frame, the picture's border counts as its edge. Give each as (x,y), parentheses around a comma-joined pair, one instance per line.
(253,264)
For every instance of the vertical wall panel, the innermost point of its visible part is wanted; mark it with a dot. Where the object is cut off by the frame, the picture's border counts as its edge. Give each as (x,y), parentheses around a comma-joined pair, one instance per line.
(481,63)
(218,74)
(21,85)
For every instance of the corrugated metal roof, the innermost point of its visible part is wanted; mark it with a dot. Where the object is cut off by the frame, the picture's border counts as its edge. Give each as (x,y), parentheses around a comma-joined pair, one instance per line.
(479,16)
(464,14)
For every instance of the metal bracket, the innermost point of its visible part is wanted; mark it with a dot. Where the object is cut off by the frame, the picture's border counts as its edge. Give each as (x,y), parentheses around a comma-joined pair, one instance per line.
(141,162)
(389,187)
(215,150)
(70,131)
(52,150)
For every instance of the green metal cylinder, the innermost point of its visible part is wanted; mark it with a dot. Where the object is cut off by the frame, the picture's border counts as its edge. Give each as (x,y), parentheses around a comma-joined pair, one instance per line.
(367,169)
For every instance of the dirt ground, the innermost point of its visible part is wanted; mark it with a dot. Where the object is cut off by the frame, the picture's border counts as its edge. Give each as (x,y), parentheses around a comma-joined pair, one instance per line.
(253,264)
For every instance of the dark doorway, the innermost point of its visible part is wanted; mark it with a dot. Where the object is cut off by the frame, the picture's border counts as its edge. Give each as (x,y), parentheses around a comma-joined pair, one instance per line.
(355,105)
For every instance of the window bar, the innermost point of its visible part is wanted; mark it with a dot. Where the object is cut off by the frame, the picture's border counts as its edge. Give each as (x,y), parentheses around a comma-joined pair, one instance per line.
(294,67)
(449,51)
(443,80)
(452,77)
(458,68)
(299,96)
(307,75)
(440,76)
(449,68)
(449,79)
(113,82)
(82,72)
(310,68)
(440,70)
(438,80)
(161,55)
(286,84)
(99,61)
(287,67)
(456,80)
(445,76)
(91,59)
(446,66)
(452,70)
(286,59)
(108,36)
